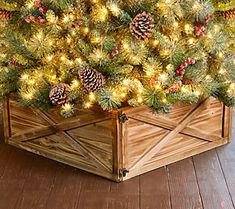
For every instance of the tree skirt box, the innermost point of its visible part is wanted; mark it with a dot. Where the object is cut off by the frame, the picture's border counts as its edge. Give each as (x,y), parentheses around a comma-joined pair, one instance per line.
(120,144)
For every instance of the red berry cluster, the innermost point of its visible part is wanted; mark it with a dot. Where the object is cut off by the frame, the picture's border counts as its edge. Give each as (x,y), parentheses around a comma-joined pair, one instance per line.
(115,52)
(154,81)
(41,10)
(175,87)
(199,30)
(181,69)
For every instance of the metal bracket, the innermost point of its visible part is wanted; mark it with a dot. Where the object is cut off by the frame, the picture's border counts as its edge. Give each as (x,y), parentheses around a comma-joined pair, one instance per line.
(123,172)
(123,118)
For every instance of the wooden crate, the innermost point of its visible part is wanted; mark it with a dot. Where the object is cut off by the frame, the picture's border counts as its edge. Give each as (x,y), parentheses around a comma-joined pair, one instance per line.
(121,144)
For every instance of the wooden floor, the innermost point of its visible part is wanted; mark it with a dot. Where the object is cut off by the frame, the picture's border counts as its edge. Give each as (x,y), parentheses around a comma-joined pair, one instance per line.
(205,181)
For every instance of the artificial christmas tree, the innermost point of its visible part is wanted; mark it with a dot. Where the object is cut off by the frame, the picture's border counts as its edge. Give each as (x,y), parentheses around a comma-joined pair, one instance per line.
(106,62)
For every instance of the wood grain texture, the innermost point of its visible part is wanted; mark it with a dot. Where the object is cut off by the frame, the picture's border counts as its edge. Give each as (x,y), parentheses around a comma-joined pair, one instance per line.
(166,141)
(227,162)
(183,185)
(12,187)
(40,182)
(51,185)
(98,142)
(214,191)
(155,184)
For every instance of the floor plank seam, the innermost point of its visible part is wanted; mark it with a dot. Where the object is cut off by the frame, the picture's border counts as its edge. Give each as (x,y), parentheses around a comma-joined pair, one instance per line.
(199,190)
(79,196)
(52,187)
(226,182)
(168,185)
(139,192)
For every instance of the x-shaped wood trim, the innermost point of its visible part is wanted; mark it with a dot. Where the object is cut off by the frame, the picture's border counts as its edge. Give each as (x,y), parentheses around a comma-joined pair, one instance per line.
(61,130)
(169,136)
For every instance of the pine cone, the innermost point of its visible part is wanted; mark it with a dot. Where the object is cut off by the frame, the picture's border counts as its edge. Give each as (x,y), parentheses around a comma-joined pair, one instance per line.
(142,26)
(229,14)
(92,80)
(6,15)
(58,94)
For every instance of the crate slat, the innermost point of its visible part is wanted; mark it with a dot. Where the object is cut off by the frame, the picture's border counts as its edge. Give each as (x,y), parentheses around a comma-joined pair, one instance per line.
(103,144)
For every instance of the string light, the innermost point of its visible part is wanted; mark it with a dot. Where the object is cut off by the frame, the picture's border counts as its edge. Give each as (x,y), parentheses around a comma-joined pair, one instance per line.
(27,95)
(123,95)
(70,62)
(158,87)
(50,57)
(66,19)
(92,97)
(75,84)
(73,33)
(188,28)
(197,93)
(114,94)
(63,58)
(209,35)
(164,100)
(114,9)
(175,24)
(125,46)
(221,55)
(126,82)
(196,7)
(79,60)
(184,89)
(50,43)
(217,28)
(31,82)
(191,41)
(71,17)
(88,105)
(208,77)
(163,77)
(222,71)
(140,99)
(39,36)
(24,76)
(67,107)
(140,90)
(155,42)
(69,40)
(30,5)
(86,30)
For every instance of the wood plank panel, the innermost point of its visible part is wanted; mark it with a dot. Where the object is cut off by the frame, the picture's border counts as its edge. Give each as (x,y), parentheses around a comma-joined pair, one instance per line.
(184,189)
(212,185)
(24,119)
(40,184)
(14,177)
(94,192)
(154,189)
(125,195)
(226,156)
(66,190)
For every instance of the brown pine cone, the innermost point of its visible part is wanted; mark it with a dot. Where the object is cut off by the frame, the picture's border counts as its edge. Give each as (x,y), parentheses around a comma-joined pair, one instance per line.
(142,26)
(92,79)
(229,14)
(58,94)
(6,15)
